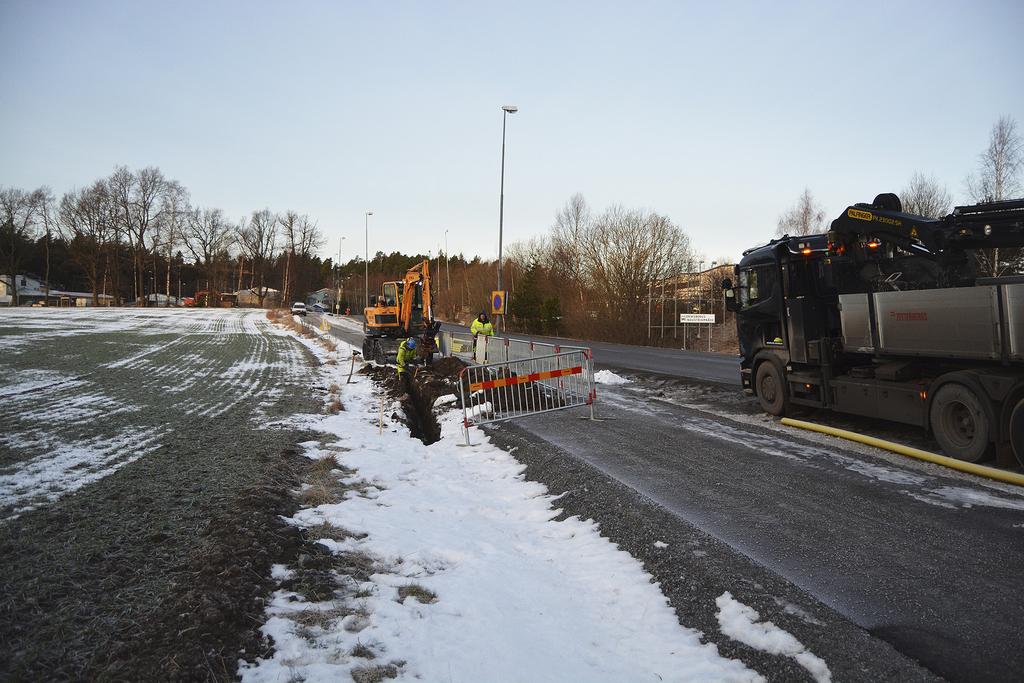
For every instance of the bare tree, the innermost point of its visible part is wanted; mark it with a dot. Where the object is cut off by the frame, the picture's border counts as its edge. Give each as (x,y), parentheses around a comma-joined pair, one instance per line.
(302,238)
(572,223)
(807,217)
(998,178)
(289,227)
(85,218)
(624,251)
(20,215)
(139,200)
(924,196)
(257,238)
(169,230)
(208,236)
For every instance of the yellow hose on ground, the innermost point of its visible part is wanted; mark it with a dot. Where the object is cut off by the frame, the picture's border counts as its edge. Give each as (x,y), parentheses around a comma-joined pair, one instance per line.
(981,470)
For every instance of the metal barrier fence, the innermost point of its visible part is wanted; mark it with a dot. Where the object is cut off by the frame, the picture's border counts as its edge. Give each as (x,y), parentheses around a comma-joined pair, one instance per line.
(507,389)
(496,349)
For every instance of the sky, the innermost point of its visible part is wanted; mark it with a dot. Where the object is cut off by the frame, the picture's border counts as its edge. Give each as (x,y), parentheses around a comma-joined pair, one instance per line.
(716,114)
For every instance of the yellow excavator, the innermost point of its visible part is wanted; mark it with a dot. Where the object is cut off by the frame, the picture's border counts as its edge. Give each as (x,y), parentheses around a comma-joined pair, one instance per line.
(403,309)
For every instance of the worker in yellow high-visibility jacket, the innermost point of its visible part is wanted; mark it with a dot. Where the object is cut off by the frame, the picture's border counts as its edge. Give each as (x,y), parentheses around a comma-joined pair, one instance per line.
(482,325)
(406,354)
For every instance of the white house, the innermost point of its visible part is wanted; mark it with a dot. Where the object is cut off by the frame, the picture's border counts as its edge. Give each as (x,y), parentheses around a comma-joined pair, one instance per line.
(250,297)
(32,290)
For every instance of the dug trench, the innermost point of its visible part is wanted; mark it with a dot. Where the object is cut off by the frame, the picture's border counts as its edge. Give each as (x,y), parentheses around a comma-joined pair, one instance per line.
(417,391)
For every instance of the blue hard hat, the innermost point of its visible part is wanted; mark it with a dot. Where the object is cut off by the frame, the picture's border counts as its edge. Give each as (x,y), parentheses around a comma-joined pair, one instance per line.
(411,343)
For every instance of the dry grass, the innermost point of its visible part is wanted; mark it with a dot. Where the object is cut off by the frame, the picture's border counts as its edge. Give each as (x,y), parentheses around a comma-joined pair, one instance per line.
(320,618)
(335,406)
(321,492)
(322,467)
(331,531)
(363,651)
(374,674)
(334,388)
(414,590)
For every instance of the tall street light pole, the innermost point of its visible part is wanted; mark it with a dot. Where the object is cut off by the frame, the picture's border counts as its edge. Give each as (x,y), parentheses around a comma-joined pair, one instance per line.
(447,263)
(507,109)
(337,294)
(366,259)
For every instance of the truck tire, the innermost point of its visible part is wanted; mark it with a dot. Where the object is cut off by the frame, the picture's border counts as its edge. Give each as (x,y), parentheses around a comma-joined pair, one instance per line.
(1017,431)
(771,389)
(960,423)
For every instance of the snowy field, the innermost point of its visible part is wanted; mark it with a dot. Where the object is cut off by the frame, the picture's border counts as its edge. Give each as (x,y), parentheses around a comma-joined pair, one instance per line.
(89,391)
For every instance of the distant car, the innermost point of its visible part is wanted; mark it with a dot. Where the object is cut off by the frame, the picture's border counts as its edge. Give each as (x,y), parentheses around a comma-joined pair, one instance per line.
(318,308)
(298,308)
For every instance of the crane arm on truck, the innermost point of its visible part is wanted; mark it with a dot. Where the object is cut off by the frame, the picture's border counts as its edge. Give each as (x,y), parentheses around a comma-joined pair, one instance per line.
(980,226)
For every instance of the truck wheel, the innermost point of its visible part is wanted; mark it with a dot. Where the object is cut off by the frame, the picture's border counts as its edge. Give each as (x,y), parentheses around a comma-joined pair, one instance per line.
(771,389)
(1017,431)
(378,353)
(960,424)
(368,348)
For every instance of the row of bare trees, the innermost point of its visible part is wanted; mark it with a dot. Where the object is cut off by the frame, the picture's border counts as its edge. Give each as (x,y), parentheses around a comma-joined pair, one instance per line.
(996,178)
(147,220)
(590,275)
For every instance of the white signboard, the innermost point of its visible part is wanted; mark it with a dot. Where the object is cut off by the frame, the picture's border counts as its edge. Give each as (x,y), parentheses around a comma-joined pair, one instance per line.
(708,318)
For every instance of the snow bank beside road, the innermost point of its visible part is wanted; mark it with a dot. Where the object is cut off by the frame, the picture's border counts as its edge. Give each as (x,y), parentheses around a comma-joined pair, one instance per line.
(741,622)
(519,596)
(609,377)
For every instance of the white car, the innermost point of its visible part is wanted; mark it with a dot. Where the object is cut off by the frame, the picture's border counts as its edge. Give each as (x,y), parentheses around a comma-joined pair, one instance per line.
(298,308)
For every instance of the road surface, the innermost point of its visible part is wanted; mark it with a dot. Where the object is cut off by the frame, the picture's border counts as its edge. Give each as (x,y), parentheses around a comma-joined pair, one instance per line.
(926,560)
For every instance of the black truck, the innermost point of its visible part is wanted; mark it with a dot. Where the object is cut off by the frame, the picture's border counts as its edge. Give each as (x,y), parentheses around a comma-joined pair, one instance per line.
(886,316)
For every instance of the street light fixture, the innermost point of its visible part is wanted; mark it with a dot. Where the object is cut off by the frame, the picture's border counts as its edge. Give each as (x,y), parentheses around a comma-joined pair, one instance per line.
(366,259)
(506,110)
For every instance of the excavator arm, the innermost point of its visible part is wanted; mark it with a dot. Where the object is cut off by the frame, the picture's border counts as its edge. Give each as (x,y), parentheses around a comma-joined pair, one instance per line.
(417,311)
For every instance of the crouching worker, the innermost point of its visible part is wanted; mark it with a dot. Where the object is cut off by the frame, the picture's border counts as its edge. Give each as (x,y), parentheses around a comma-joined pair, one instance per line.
(406,354)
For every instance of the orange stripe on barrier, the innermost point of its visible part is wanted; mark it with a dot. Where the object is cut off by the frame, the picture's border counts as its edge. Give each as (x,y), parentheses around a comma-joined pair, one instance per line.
(523,379)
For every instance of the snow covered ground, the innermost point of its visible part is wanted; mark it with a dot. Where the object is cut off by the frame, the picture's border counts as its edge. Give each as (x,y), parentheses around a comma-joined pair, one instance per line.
(90,391)
(509,592)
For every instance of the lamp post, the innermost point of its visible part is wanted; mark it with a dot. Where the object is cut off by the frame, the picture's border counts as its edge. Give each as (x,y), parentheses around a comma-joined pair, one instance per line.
(337,294)
(447,265)
(366,259)
(506,110)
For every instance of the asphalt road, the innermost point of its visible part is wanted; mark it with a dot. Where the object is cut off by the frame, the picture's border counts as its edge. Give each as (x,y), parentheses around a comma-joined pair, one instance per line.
(929,562)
